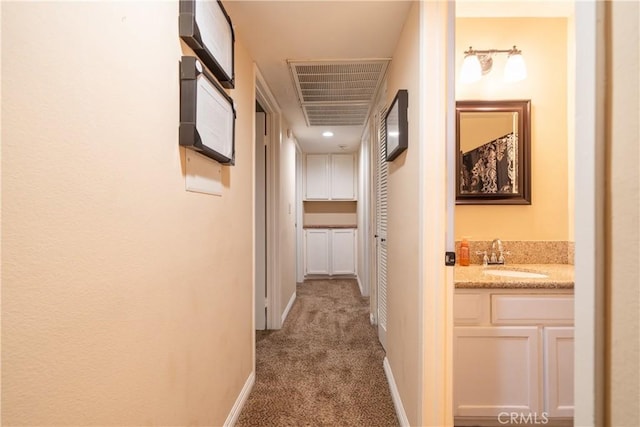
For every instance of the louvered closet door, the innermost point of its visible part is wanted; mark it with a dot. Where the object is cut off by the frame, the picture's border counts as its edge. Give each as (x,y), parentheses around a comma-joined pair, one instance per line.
(381,233)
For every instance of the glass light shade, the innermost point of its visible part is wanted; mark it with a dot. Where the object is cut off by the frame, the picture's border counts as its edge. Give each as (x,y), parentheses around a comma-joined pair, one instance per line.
(471,70)
(515,69)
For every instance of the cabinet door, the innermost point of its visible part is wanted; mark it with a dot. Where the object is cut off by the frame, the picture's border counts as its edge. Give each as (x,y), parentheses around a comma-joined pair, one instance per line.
(343,251)
(316,182)
(496,369)
(558,361)
(316,254)
(343,177)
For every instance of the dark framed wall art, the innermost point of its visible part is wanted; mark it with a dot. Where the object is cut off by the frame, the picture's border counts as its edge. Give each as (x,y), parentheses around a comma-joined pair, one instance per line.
(397,126)
(207,113)
(206,27)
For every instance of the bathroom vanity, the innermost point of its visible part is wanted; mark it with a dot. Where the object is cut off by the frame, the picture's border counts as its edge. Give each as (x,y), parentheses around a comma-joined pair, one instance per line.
(513,344)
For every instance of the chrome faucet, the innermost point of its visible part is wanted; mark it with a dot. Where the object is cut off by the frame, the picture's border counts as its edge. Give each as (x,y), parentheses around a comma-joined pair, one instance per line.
(497,253)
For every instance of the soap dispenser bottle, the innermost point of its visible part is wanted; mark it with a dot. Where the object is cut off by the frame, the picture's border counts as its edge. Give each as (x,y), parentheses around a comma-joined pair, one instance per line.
(464,252)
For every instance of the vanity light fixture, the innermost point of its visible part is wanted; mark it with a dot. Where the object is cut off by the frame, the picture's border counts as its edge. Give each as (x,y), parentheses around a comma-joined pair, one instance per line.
(479,62)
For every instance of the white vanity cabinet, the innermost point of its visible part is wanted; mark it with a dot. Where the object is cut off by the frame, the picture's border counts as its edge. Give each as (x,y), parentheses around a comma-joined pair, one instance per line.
(513,353)
(330,177)
(330,251)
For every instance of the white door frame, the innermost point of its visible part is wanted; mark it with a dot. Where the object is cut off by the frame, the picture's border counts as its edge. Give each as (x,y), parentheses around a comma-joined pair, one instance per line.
(589,216)
(589,386)
(364,196)
(437,39)
(299,215)
(274,128)
(371,214)
(260,215)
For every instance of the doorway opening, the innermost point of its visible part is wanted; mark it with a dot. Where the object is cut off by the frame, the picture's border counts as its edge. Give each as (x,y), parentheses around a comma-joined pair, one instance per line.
(539,236)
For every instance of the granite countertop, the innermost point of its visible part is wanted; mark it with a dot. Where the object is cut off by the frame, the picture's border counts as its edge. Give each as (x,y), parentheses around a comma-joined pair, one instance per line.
(330,226)
(559,276)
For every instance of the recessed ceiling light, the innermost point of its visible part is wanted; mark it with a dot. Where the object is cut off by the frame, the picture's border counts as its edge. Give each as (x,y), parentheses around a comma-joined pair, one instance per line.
(327,134)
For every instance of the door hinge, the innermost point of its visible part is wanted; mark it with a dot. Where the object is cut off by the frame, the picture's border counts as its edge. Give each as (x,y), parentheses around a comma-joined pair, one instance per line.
(449,258)
(266,303)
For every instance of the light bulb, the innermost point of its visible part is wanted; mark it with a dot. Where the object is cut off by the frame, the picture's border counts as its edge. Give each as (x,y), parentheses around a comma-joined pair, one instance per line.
(471,70)
(515,68)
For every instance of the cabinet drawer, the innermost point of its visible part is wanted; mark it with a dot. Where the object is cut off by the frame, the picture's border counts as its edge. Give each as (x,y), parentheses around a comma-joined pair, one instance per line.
(531,309)
(471,309)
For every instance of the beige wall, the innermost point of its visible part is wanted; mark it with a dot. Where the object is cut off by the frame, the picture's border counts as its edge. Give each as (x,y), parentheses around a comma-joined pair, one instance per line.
(543,42)
(623,216)
(125,299)
(403,294)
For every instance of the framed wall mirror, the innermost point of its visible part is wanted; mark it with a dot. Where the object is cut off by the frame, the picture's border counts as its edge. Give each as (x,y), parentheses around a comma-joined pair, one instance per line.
(493,142)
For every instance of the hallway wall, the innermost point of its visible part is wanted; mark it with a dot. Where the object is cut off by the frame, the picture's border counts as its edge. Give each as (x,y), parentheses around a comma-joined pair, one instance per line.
(125,299)
(403,237)
(623,219)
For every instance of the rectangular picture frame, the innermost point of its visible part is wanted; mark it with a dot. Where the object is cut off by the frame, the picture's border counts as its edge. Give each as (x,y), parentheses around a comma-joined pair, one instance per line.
(207,113)
(206,28)
(397,125)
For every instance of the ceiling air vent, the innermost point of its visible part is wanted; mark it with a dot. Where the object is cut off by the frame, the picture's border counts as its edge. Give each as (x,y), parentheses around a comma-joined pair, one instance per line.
(337,93)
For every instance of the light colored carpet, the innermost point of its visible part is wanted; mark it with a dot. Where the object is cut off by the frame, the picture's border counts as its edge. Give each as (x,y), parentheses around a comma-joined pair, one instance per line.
(324,367)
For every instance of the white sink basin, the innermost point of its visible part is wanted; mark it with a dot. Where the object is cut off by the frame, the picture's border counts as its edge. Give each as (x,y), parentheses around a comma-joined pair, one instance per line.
(515,273)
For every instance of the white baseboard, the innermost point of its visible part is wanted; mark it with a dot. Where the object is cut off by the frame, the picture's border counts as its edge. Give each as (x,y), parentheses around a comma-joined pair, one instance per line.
(395,395)
(360,285)
(240,401)
(364,292)
(286,310)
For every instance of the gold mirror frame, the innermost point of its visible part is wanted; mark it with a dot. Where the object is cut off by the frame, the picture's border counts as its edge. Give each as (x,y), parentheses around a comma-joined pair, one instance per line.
(522,182)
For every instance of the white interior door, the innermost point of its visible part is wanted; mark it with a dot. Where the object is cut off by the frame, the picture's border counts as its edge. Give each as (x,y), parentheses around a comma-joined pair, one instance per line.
(381,234)
(261,223)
